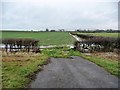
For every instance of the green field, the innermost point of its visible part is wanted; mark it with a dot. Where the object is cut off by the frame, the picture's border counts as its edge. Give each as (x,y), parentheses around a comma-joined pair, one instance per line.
(45,38)
(103,34)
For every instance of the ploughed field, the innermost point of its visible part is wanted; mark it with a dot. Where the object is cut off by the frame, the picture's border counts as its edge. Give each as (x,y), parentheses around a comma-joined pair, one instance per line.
(45,38)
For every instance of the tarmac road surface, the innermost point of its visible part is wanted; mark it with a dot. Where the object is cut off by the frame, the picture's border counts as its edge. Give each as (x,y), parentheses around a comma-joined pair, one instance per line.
(74,72)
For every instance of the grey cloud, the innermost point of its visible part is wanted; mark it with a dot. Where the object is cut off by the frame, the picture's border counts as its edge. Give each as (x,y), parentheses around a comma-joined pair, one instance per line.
(73,14)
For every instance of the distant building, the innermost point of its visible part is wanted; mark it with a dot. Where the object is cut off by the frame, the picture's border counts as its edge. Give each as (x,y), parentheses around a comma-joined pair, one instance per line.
(61,30)
(52,30)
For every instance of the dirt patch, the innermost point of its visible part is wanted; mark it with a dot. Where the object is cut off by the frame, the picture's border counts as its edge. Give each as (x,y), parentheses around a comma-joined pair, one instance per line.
(18,56)
(108,55)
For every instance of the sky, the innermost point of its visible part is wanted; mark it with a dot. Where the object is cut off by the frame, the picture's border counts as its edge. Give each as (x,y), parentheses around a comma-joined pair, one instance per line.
(59,14)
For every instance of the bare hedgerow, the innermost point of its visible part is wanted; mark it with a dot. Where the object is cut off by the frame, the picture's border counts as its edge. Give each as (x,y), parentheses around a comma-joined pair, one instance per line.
(20,44)
(98,43)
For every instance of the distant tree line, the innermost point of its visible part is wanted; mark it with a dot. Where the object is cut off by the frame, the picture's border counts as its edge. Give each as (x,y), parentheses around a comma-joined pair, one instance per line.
(59,30)
(98,31)
(64,30)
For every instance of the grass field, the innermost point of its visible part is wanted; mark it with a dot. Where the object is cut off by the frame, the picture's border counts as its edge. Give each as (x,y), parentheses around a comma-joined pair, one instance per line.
(104,34)
(45,38)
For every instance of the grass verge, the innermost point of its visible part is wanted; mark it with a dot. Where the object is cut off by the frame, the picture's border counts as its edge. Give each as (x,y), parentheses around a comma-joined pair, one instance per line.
(15,73)
(108,64)
(63,52)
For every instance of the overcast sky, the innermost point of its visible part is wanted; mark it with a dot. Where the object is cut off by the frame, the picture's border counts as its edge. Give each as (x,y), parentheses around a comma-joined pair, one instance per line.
(58,14)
